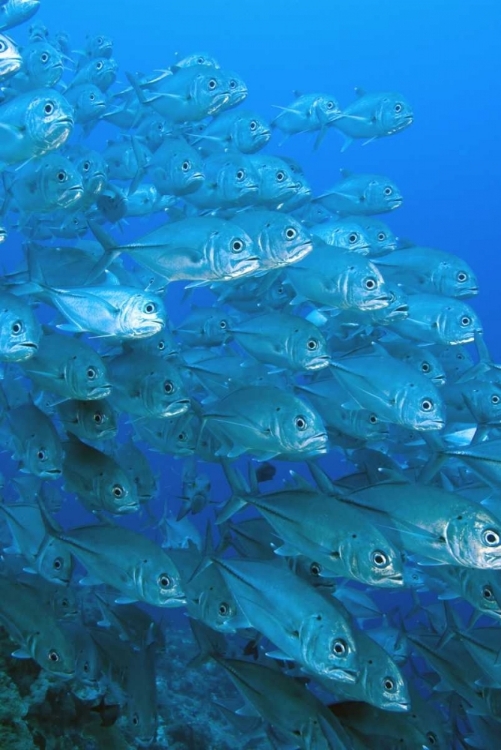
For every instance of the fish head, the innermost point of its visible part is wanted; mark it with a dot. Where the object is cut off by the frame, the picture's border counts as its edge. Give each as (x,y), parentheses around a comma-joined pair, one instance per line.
(160,581)
(99,45)
(236,88)
(86,376)
(64,603)
(43,63)
(49,120)
(54,651)
(44,458)
(420,406)
(209,89)
(250,132)
(328,647)
(181,173)
(300,429)
(455,278)
(142,315)
(484,592)
(473,537)
(381,238)
(93,170)
(10,58)
(102,72)
(237,181)
(386,686)
(284,240)
(457,323)
(230,253)
(277,181)
(55,562)
(372,559)
(362,284)
(116,492)
(307,347)
(59,182)
(393,113)
(380,195)
(327,109)
(20,331)
(163,392)
(345,234)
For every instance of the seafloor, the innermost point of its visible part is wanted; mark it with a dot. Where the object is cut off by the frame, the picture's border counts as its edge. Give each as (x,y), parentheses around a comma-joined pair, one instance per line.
(39,711)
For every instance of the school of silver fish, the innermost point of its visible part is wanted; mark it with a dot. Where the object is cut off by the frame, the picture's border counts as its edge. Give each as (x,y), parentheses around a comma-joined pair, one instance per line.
(253,324)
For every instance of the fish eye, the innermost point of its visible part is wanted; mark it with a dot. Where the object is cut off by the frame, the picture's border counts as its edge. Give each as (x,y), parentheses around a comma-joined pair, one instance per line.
(312,344)
(380,559)
(233,84)
(212,84)
(425,367)
(373,419)
(495,399)
(92,96)
(370,283)
(3,46)
(381,236)
(222,324)
(57,564)
(465,320)
(53,656)
(99,40)
(398,108)
(427,404)
(99,65)
(491,538)
(44,57)
(91,373)
(253,125)
(290,233)
(49,108)
(487,593)
(186,165)
(135,720)
(62,176)
(223,609)
(461,277)
(237,246)
(431,738)
(118,491)
(240,174)
(150,307)
(330,105)
(315,569)
(16,328)
(339,647)
(86,166)
(41,455)
(168,387)
(201,60)
(182,437)
(280,176)
(388,191)
(161,345)
(164,581)
(300,423)
(388,684)
(98,417)
(65,603)
(353,237)
(86,667)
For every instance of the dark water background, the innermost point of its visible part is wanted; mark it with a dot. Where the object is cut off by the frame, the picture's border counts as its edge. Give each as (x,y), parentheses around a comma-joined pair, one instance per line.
(443,55)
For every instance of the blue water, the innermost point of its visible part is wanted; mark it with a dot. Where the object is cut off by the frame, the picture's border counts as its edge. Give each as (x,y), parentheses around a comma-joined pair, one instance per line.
(442,55)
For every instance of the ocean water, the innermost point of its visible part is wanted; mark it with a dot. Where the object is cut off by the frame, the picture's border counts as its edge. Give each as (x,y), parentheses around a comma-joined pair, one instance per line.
(442,55)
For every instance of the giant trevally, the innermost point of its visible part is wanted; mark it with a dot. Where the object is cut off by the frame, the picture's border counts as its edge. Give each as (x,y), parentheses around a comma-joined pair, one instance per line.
(374,115)
(303,625)
(15,12)
(20,330)
(10,58)
(362,194)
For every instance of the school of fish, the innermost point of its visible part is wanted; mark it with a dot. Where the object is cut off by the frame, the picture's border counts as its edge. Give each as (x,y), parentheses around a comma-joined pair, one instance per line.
(269,331)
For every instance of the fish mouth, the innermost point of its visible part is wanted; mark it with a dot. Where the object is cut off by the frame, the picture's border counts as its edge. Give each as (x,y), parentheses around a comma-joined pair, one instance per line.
(317,444)
(431,424)
(318,363)
(392,581)
(99,391)
(377,303)
(29,345)
(51,473)
(493,560)
(438,379)
(343,675)
(400,707)
(300,252)
(395,202)
(66,120)
(173,601)
(127,508)
(176,408)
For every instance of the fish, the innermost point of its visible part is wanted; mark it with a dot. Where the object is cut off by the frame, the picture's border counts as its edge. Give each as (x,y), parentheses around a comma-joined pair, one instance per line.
(15,12)
(10,58)
(20,331)
(267,422)
(374,115)
(308,113)
(364,194)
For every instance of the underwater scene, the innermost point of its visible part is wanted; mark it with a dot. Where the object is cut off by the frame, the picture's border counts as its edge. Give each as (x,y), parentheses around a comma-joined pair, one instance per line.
(250,375)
